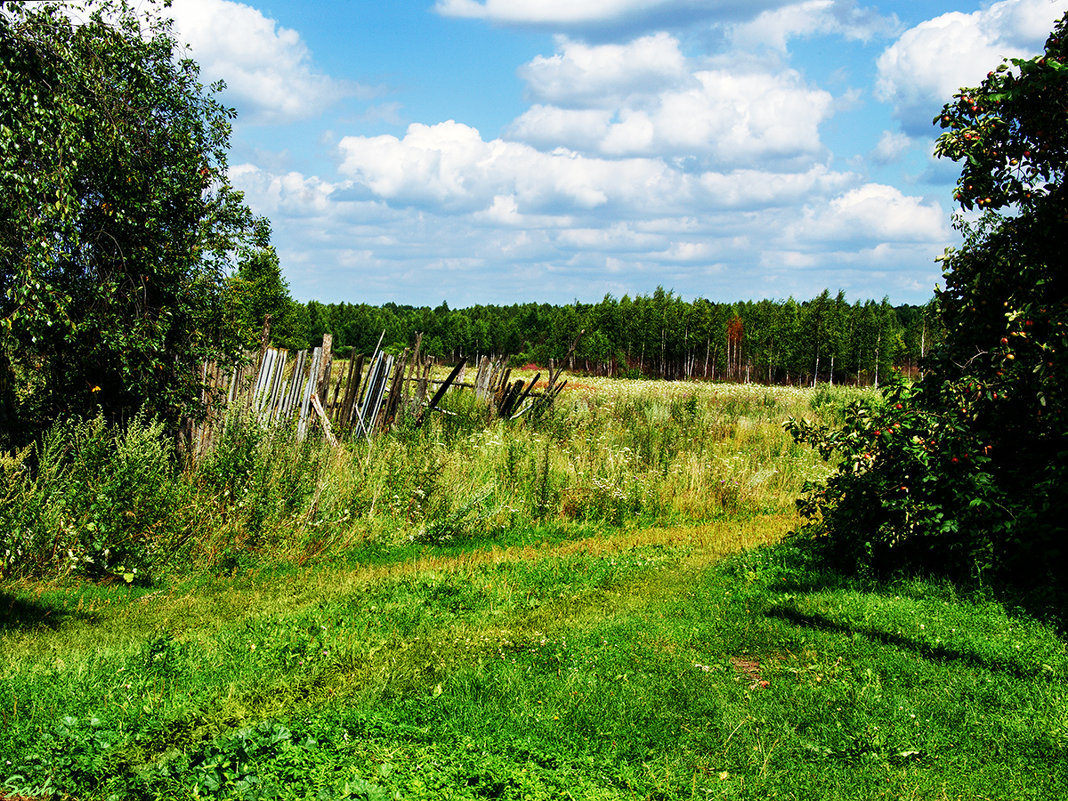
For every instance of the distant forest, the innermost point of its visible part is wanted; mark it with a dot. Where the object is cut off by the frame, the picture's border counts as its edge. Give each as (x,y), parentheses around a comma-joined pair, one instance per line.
(824,339)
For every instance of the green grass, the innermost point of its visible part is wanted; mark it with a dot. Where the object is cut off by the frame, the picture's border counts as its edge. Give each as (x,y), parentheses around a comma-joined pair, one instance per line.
(100,502)
(617,670)
(681,654)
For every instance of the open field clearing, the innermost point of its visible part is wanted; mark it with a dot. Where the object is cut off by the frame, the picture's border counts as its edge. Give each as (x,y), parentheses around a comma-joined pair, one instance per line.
(594,606)
(254,548)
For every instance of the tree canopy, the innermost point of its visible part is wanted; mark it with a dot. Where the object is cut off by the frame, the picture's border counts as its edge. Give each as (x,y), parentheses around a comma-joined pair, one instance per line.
(260,290)
(120,224)
(967,471)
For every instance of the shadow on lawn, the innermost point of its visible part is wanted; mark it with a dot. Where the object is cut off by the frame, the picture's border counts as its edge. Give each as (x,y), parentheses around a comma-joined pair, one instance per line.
(810,566)
(936,652)
(22,613)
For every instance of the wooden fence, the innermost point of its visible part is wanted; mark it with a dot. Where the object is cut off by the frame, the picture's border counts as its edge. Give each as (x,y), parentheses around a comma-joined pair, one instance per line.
(365,397)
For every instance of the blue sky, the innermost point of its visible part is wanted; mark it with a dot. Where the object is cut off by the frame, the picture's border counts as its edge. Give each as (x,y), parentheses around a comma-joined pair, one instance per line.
(505,151)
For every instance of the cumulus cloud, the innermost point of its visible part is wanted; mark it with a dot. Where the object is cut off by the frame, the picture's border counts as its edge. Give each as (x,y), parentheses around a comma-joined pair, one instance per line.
(450,168)
(551,126)
(503,211)
(741,227)
(290,192)
(268,69)
(774,28)
(689,252)
(728,117)
(615,238)
(757,189)
(891,147)
(930,62)
(545,11)
(579,74)
(635,163)
(644,99)
(601,13)
(873,212)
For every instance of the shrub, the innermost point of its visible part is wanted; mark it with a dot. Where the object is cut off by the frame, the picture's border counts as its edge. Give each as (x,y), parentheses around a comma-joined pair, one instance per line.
(99,499)
(967,471)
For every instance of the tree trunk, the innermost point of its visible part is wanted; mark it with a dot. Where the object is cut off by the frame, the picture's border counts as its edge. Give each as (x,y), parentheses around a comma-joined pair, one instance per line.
(878,343)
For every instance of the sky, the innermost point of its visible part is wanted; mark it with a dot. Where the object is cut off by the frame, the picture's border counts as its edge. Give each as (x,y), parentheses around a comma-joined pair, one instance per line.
(513,151)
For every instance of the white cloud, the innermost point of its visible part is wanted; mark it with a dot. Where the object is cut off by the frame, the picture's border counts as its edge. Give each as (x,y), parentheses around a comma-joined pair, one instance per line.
(430,207)
(754,189)
(891,147)
(775,27)
(742,226)
(504,212)
(873,212)
(604,75)
(744,117)
(550,126)
(547,11)
(289,193)
(684,251)
(930,62)
(448,166)
(634,164)
(613,238)
(645,99)
(576,13)
(268,69)
(885,269)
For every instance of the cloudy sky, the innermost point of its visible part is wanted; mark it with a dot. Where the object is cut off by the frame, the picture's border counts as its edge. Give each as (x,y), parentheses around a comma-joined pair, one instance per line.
(502,151)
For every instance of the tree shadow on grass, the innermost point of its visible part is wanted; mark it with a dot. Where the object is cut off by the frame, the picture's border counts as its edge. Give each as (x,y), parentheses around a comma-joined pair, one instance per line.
(935,652)
(803,567)
(806,566)
(24,613)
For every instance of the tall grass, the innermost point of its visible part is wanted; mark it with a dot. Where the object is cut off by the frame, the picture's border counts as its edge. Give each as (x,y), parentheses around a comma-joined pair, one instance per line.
(108,502)
(93,499)
(476,610)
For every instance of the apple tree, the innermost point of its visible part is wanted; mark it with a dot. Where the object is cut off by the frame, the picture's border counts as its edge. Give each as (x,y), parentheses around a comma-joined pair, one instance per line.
(966,471)
(119,222)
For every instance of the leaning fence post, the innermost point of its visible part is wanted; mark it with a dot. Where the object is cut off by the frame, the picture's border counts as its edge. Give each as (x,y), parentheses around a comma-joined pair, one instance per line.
(323,419)
(309,389)
(323,377)
(440,393)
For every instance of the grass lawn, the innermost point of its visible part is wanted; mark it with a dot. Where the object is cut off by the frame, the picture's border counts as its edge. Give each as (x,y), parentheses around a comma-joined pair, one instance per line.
(643,666)
(623,658)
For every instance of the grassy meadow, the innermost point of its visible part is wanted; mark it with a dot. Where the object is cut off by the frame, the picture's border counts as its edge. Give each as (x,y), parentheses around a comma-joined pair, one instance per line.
(596,604)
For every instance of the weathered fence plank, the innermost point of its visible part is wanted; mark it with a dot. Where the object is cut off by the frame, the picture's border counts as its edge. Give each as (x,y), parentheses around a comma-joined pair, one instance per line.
(278,389)
(440,393)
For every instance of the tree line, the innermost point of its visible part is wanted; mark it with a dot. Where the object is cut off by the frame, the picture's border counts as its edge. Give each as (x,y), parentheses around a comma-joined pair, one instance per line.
(662,335)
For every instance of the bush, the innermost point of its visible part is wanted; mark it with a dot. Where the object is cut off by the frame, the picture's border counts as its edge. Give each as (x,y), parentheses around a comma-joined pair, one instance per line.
(100,500)
(912,488)
(967,471)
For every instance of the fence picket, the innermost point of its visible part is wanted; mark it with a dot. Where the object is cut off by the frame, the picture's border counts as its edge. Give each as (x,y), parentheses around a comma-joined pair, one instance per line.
(276,388)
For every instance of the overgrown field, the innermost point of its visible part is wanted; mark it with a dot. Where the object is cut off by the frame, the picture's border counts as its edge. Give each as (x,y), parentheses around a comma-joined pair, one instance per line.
(586,607)
(104,503)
